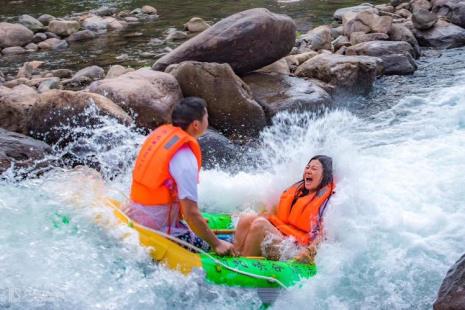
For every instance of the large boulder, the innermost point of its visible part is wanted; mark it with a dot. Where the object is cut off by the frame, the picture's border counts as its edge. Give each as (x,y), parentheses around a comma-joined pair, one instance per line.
(30,22)
(442,35)
(454,10)
(63,28)
(217,150)
(349,73)
(57,113)
(20,151)
(247,41)
(277,92)
(14,35)
(451,294)
(149,94)
(15,104)
(401,33)
(231,106)
(396,55)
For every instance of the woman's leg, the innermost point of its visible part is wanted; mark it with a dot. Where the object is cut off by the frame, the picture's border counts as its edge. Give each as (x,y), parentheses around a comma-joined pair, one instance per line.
(259,228)
(242,230)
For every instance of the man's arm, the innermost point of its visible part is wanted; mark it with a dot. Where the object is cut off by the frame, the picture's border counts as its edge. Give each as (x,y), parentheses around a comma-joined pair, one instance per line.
(197,223)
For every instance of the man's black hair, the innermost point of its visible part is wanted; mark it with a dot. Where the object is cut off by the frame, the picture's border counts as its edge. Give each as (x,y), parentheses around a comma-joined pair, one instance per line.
(188,110)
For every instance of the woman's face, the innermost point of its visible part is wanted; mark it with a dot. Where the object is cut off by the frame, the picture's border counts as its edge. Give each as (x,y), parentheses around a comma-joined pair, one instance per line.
(313,174)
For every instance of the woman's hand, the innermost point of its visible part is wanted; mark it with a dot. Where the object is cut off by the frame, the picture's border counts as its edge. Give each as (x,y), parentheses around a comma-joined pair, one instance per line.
(307,256)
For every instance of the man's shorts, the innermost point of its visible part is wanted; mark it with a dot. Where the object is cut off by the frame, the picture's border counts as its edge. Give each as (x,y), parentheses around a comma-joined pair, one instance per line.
(196,241)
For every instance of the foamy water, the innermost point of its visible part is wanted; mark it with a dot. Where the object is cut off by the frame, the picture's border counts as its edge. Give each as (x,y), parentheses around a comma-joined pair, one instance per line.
(394,227)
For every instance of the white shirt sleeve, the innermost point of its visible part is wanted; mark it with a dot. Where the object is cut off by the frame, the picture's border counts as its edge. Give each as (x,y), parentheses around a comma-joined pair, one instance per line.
(184,170)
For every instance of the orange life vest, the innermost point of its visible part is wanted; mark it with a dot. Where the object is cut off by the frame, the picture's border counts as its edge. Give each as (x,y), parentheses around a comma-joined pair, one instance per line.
(301,219)
(152,183)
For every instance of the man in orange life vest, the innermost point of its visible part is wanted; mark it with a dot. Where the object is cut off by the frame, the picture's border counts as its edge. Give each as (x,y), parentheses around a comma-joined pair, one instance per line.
(165,177)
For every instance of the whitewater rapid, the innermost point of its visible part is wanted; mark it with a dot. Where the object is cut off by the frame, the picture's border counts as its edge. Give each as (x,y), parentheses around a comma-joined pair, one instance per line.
(394,227)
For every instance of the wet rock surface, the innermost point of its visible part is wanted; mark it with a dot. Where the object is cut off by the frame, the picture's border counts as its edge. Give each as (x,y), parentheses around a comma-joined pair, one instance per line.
(277,92)
(451,295)
(20,151)
(15,105)
(231,106)
(58,113)
(149,94)
(350,73)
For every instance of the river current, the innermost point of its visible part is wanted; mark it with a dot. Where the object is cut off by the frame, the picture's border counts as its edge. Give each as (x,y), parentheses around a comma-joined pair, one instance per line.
(394,227)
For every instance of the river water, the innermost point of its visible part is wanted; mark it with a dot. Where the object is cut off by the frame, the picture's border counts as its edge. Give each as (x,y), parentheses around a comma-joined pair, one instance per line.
(394,227)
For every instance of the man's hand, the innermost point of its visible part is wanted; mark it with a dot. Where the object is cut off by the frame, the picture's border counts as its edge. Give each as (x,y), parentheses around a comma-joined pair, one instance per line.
(223,248)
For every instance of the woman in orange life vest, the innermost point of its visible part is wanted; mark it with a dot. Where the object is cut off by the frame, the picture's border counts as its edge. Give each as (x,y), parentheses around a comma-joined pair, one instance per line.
(298,215)
(165,177)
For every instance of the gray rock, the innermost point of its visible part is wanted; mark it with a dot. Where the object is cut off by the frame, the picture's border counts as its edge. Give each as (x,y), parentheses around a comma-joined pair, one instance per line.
(217,150)
(30,22)
(51,35)
(149,94)
(62,73)
(147,9)
(13,50)
(423,19)
(57,114)
(46,85)
(350,11)
(14,35)
(28,69)
(454,10)
(117,70)
(230,104)
(451,294)
(340,42)
(281,66)
(86,75)
(31,47)
(442,35)
(45,19)
(16,103)
(82,35)
(137,11)
(196,24)
(316,39)
(175,35)
(420,4)
(104,11)
(359,37)
(95,23)
(53,44)
(401,33)
(396,55)
(247,41)
(348,73)
(63,28)
(398,2)
(39,37)
(20,151)
(277,92)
